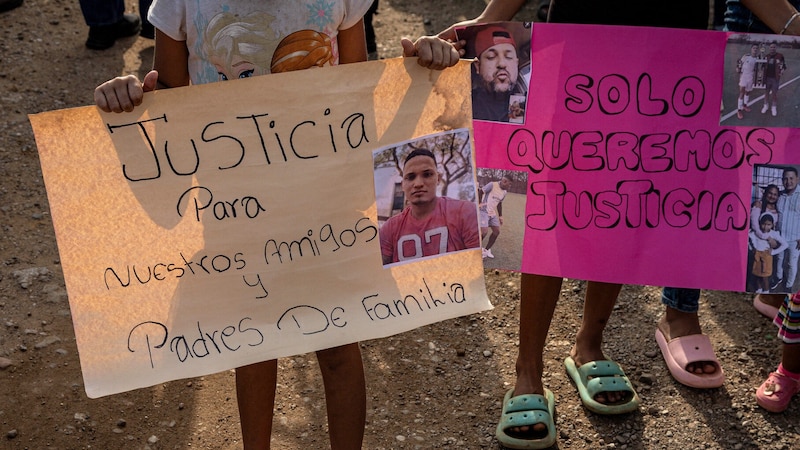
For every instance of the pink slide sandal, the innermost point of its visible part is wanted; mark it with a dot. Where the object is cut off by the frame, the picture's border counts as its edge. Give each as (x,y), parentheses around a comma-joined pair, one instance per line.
(681,351)
(766,310)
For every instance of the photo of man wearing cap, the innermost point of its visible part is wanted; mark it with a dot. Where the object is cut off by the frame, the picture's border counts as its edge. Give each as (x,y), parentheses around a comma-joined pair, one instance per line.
(498,91)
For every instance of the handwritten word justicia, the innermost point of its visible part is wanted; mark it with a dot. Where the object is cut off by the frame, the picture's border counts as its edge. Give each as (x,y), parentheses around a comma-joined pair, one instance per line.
(634,204)
(224,144)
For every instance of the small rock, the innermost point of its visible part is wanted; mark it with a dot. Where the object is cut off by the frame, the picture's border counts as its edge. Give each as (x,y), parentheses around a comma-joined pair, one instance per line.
(121,423)
(26,277)
(81,416)
(152,439)
(49,340)
(5,363)
(12,434)
(487,353)
(400,438)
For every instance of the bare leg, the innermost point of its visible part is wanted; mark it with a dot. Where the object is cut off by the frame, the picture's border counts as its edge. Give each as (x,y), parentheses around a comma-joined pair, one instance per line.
(345,395)
(493,237)
(775,300)
(255,395)
(675,323)
(597,308)
(538,297)
(791,357)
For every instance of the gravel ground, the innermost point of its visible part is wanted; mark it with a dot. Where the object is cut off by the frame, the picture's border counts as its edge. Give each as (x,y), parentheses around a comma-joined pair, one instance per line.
(436,387)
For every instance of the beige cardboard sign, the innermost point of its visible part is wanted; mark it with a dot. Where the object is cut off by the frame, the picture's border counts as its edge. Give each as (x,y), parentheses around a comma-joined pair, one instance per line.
(225,224)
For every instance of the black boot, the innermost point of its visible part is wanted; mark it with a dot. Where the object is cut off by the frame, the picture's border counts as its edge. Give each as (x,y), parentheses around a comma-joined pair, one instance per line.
(103,37)
(8,5)
(148,31)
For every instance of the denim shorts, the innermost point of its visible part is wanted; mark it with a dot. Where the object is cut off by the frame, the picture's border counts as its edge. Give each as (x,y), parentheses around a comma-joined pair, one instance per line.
(684,300)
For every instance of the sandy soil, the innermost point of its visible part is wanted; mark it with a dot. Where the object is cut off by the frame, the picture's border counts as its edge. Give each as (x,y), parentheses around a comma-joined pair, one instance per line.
(435,387)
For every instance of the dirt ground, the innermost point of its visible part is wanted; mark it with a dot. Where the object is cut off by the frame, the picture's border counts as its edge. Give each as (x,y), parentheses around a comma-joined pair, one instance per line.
(436,387)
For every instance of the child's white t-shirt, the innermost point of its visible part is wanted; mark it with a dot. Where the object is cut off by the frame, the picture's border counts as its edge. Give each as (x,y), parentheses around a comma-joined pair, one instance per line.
(243,38)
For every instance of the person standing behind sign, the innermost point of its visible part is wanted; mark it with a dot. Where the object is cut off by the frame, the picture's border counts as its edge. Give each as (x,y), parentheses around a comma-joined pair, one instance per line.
(240,39)
(764,16)
(774,394)
(539,294)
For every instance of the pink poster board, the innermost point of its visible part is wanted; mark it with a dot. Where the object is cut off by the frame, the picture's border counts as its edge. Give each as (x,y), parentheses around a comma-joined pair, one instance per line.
(638,170)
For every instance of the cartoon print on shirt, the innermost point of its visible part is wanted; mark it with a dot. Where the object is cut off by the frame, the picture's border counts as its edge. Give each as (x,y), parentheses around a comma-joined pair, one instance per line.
(240,46)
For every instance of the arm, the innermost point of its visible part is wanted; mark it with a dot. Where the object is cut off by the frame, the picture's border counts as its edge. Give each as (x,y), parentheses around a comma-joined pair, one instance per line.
(171,61)
(442,51)
(775,14)
(386,234)
(500,212)
(352,44)
(782,67)
(780,239)
(469,226)
(433,52)
(484,194)
(170,69)
(495,11)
